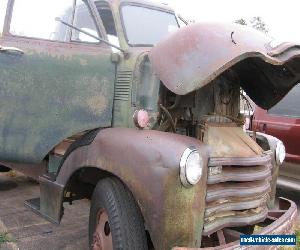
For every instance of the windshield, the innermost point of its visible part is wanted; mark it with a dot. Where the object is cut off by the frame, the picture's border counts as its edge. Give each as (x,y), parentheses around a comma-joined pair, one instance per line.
(145,26)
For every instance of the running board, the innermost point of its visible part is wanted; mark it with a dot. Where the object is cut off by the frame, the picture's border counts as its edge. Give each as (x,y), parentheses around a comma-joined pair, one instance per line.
(49,205)
(34,205)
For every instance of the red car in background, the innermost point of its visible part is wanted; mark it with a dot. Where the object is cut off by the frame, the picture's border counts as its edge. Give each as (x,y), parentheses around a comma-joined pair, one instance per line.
(283,121)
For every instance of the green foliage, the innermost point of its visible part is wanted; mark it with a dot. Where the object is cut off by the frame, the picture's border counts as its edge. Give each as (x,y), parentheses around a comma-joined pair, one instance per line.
(298,239)
(4,238)
(241,21)
(259,24)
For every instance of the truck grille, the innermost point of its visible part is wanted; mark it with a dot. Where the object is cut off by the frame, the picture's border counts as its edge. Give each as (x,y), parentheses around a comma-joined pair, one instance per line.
(237,192)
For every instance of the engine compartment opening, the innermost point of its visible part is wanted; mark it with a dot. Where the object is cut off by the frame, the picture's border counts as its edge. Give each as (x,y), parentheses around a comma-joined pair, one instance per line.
(217,102)
(239,170)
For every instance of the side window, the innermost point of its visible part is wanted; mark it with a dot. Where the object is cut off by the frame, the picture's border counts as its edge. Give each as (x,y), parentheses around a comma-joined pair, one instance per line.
(289,105)
(3,5)
(84,20)
(108,22)
(32,18)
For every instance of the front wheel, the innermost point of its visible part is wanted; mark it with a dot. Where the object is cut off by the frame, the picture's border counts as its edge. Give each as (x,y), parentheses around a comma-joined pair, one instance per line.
(115,221)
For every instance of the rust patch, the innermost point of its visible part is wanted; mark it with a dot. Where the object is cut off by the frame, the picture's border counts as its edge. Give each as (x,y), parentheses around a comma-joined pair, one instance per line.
(97,103)
(150,169)
(284,224)
(230,142)
(197,54)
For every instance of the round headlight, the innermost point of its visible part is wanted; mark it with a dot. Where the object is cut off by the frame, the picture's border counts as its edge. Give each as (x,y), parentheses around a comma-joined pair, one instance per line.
(191,166)
(280,153)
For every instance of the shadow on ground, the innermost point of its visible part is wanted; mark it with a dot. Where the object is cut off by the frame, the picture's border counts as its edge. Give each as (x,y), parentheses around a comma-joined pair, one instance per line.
(7,185)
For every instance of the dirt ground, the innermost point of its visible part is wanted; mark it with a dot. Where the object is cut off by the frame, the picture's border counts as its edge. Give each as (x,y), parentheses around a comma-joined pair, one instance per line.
(28,231)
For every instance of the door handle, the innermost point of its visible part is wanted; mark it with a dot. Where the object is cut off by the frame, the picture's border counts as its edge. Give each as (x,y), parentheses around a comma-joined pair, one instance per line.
(11,50)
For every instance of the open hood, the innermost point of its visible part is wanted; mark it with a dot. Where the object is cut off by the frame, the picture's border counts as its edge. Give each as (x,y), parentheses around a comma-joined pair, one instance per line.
(197,54)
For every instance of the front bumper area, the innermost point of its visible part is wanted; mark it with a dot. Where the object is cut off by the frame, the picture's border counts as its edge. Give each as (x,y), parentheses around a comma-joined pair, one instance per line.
(284,220)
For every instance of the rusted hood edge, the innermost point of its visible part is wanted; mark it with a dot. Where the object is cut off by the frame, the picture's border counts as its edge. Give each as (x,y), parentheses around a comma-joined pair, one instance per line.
(197,54)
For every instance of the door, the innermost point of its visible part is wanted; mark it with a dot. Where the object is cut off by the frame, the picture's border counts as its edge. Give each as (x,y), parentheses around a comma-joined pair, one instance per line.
(283,122)
(54,81)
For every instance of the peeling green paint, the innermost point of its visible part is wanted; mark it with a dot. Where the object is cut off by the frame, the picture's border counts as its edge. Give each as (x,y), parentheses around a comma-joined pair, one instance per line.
(45,99)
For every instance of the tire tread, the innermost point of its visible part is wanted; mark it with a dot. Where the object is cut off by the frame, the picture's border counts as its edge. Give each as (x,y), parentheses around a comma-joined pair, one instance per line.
(125,218)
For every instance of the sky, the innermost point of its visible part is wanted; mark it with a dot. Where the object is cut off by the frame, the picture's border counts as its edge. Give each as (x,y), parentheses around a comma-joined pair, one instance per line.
(281,17)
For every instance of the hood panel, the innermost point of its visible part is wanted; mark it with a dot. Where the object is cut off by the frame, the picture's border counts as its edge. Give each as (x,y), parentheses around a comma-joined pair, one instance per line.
(197,54)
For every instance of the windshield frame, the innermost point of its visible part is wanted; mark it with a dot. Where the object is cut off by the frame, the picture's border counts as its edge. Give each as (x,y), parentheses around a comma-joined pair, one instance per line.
(168,11)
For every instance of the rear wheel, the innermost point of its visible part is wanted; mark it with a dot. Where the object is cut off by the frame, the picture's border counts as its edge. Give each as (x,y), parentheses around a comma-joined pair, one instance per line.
(115,220)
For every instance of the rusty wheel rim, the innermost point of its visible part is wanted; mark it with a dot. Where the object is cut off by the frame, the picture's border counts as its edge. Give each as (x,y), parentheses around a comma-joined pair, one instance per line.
(102,239)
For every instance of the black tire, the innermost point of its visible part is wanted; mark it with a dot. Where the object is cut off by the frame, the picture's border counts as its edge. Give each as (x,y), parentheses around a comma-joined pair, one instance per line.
(125,219)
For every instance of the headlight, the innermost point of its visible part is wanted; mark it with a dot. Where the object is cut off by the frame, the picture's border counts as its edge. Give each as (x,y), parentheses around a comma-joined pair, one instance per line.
(280,153)
(191,166)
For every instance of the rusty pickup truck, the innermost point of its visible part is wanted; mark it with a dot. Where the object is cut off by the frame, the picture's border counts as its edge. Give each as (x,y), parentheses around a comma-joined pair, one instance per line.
(113,101)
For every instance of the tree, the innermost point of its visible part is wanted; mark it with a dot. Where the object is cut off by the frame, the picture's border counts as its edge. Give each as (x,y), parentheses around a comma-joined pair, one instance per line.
(255,22)
(241,21)
(259,24)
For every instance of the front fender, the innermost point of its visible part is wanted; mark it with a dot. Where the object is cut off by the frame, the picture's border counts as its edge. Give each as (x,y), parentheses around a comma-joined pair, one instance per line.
(147,162)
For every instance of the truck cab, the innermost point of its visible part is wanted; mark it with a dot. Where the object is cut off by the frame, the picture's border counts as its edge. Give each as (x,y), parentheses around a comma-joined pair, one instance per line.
(112,101)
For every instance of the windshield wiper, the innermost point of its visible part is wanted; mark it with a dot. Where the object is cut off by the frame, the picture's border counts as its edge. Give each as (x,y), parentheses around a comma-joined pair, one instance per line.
(89,34)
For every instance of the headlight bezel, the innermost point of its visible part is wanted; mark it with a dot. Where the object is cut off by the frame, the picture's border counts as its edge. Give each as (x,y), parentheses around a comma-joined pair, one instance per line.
(280,148)
(183,166)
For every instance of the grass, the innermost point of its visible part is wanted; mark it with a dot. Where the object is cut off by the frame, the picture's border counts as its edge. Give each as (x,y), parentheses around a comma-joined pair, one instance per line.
(297,247)
(4,238)
(298,238)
